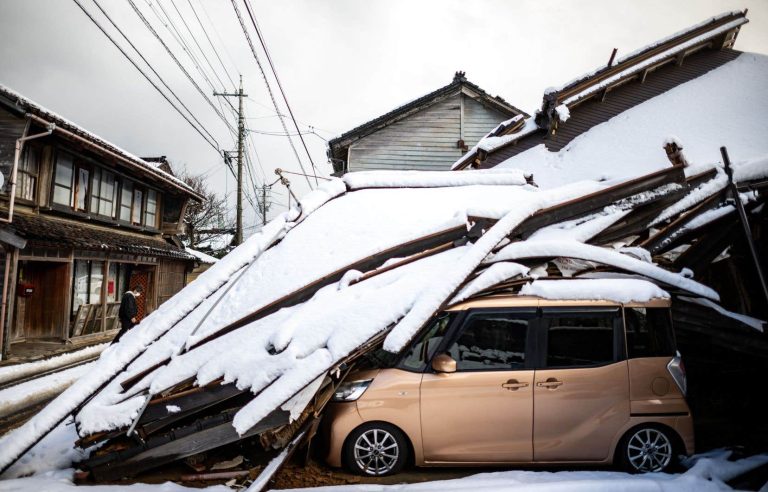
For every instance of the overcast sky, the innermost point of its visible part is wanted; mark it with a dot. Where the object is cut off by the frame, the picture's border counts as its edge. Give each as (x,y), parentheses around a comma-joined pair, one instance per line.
(341,62)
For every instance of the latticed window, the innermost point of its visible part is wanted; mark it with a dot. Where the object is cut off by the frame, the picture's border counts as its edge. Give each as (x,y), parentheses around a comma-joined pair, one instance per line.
(103,193)
(27,174)
(63,182)
(150,213)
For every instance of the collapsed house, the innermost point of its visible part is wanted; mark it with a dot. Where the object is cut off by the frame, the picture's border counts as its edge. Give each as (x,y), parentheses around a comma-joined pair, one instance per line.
(254,348)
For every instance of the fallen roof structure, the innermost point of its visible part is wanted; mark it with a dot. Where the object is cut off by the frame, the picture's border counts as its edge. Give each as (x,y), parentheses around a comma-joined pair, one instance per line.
(255,347)
(227,359)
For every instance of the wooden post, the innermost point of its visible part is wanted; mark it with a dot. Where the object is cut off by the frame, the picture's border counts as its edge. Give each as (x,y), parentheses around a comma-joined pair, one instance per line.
(744,220)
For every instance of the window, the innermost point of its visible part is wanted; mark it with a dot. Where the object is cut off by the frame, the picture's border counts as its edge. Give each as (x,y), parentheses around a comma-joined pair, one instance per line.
(492,342)
(138,202)
(26,178)
(103,193)
(150,214)
(86,287)
(126,201)
(62,184)
(423,350)
(117,281)
(649,332)
(581,339)
(81,188)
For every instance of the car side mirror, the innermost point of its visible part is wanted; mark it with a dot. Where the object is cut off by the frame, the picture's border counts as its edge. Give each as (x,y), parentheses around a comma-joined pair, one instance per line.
(444,363)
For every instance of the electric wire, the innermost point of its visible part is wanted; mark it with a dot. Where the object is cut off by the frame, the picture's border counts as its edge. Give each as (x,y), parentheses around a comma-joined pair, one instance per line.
(178,63)
(212,142)
(194,38)
(269,88)
(279,85)
(215,51)
(176,34)
(138,52)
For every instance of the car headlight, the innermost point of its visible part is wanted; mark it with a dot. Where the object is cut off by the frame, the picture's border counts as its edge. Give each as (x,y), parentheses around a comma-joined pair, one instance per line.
(352,390)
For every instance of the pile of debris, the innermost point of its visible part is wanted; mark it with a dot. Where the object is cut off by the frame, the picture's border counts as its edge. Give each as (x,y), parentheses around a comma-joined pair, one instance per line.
(254,348)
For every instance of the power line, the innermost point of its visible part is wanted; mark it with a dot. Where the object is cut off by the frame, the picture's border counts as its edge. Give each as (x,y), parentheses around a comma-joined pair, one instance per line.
(212,142)
(151,68)
(279,85)
(170,26)
(194,38)
(215,52)
(178,63)
(269,88)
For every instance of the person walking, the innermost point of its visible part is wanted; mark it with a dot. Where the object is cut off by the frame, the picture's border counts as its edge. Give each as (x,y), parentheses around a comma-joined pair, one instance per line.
(128,311)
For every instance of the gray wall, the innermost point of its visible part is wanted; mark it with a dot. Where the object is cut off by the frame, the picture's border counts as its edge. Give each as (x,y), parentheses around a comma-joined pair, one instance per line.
(425,140)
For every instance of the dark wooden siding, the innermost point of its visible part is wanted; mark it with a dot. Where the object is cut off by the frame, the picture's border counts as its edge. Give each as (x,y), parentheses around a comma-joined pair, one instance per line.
(170,279)
(593,112)
(11,128)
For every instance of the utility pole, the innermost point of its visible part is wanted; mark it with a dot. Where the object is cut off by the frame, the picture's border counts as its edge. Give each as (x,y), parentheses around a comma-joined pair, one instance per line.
(240,143)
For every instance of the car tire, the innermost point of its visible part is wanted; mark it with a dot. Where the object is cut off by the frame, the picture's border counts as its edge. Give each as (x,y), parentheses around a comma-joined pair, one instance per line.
(376,449)
(648,448)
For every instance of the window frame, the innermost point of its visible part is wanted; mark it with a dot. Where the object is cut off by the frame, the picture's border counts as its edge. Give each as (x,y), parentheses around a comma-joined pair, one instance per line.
(54,184)
(23,174)
(461,322)
(548,313)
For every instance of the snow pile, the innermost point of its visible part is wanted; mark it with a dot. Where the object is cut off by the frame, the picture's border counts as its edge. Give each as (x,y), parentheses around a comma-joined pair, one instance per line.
(433,179)
(708,473)
(573,249)
(22,395)
(724,107)
(17,371)
(616,290)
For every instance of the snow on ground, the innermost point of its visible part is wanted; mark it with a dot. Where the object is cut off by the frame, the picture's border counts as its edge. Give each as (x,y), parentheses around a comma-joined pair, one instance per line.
(16,371)
(28,393)
(707,474)
(723,107)
(62,482)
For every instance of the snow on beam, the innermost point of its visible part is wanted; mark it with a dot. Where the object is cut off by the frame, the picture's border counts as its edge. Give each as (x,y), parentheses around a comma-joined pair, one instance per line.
(556,249)
(434,179)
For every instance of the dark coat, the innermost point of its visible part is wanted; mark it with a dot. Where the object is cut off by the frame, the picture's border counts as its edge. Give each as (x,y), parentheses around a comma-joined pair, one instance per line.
(128,309)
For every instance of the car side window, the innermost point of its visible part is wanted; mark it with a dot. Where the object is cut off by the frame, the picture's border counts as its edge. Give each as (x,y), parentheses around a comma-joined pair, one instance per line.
(491,342)
(649,332)
(581,339)
(424,347)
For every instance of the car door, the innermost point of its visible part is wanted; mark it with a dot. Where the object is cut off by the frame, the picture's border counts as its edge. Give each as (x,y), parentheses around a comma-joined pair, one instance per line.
(483,412)
(581,392)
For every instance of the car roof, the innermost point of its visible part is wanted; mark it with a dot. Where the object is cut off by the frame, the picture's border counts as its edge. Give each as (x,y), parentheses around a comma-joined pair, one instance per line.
(514,300)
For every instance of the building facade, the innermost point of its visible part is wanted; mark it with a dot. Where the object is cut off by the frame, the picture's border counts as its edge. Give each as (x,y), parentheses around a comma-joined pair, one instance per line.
(81,222)
(427,134)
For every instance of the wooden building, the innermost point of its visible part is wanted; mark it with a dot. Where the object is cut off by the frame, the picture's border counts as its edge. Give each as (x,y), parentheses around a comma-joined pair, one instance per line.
(82,222)
(427,134)
(595,98)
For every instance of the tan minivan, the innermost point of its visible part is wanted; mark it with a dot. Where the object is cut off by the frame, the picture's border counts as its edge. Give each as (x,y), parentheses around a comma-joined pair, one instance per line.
(512,379)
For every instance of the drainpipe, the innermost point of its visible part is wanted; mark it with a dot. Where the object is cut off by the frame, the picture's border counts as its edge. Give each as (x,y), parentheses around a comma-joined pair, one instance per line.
(16,156)
(3,335)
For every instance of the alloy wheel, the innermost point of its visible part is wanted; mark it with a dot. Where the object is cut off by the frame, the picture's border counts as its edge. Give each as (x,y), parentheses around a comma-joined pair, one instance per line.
(649,450)
(376,452)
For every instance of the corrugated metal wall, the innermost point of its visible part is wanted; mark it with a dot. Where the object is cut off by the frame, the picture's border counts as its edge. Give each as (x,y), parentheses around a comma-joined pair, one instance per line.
(425,140)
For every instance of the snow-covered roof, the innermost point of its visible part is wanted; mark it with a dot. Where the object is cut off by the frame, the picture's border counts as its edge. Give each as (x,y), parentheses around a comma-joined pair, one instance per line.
(371,256)
(724,107)
(204,258)
(705,107)
(153,169)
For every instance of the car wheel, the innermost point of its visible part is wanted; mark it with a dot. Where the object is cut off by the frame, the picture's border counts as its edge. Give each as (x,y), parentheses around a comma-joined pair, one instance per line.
(648,449)
(376,449)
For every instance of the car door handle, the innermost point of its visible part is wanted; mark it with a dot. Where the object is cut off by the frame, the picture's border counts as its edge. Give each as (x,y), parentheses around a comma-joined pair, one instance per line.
(550,383)
(514,385)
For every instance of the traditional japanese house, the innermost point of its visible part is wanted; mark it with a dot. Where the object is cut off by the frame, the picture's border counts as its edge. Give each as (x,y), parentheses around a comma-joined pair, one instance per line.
(427,134)
(83,221)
